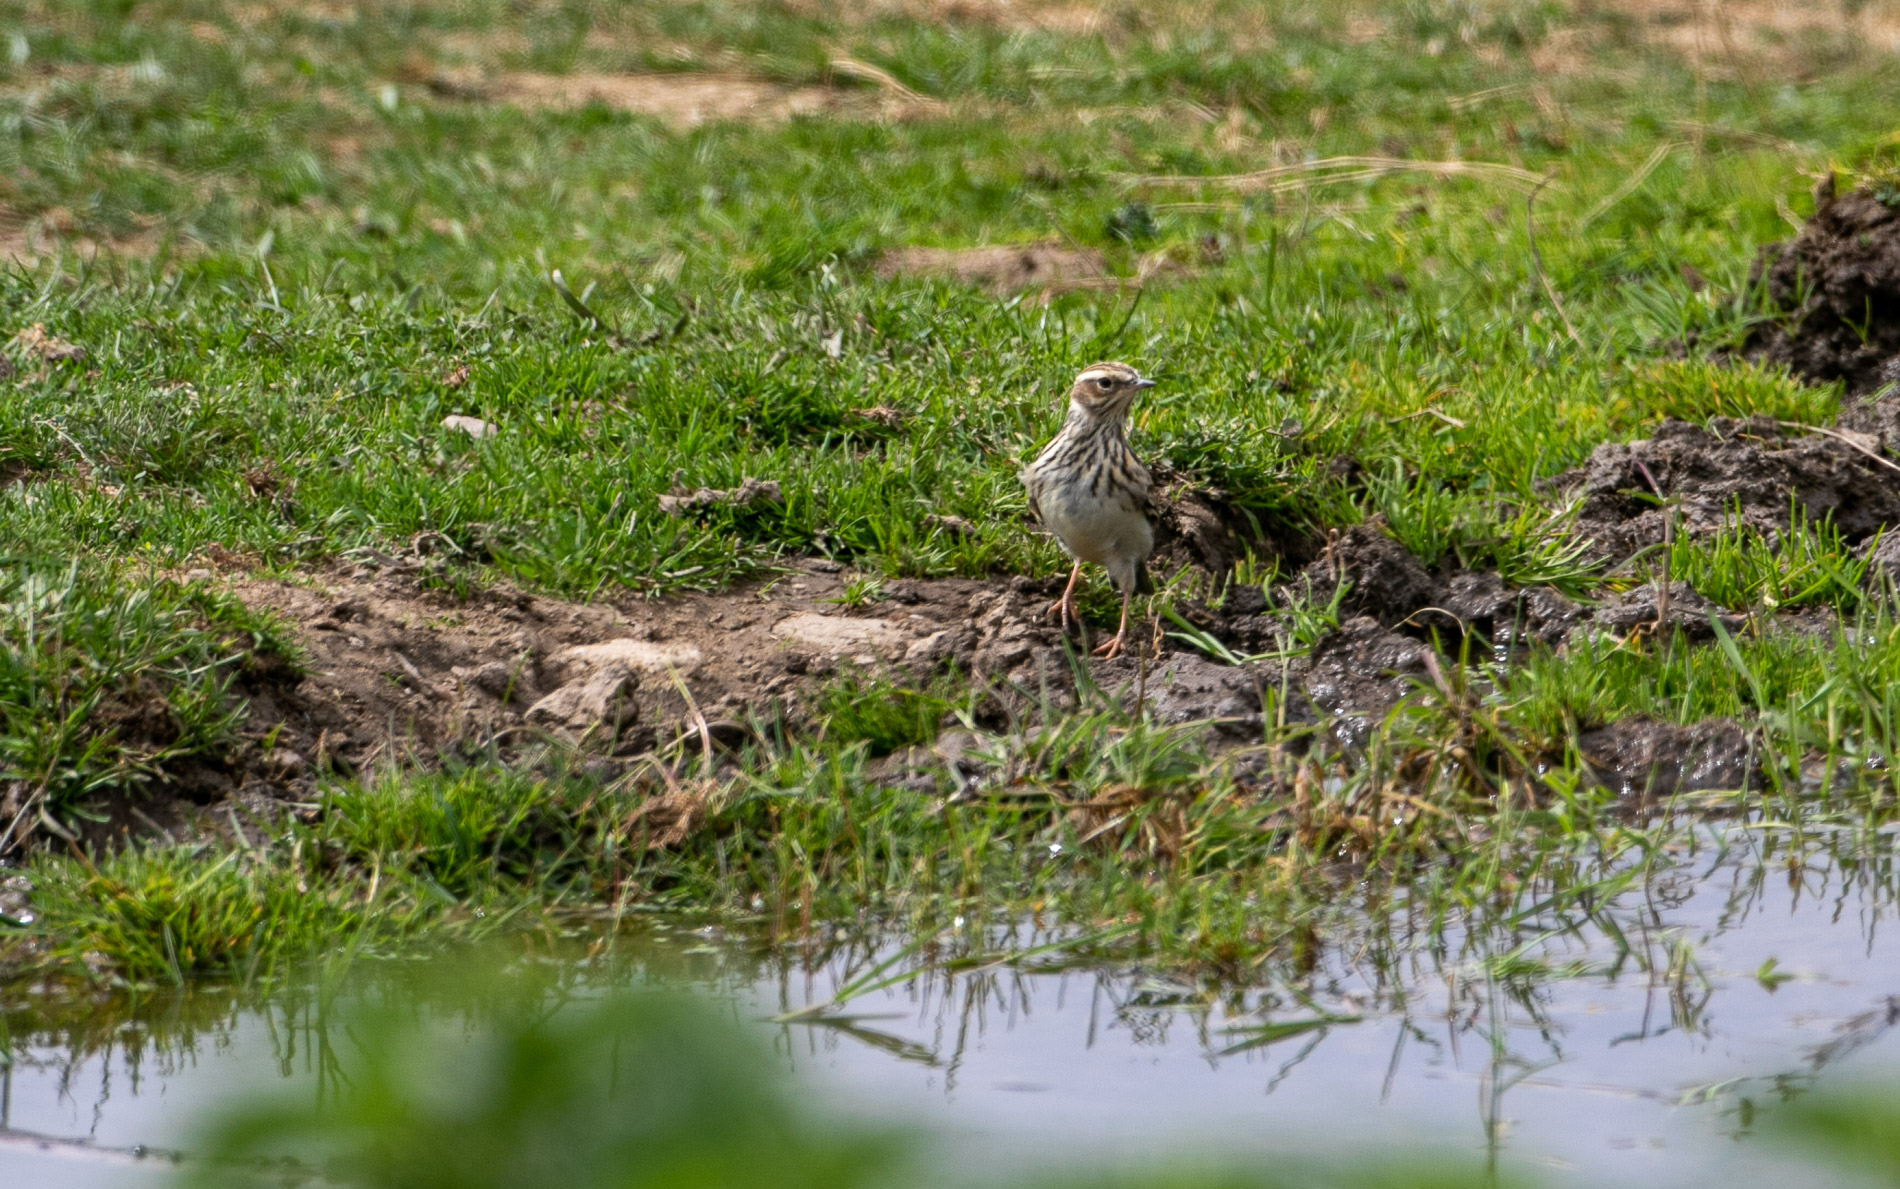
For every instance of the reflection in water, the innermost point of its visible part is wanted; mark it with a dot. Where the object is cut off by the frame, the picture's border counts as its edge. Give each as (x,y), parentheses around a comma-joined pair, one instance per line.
(1612,1036)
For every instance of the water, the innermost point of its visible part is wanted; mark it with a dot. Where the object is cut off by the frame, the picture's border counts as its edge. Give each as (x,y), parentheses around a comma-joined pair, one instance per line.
(1743,978)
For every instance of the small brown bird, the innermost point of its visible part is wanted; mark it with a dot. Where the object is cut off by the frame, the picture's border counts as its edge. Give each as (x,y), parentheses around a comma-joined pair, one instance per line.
(1088,488)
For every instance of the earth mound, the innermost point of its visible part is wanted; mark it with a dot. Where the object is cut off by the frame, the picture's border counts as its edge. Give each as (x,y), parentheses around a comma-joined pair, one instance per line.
(1837,286)
(1749,473)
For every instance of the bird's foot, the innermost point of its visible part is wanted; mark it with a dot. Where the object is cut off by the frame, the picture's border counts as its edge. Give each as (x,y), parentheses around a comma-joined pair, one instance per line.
(1063,611)
(1113,648)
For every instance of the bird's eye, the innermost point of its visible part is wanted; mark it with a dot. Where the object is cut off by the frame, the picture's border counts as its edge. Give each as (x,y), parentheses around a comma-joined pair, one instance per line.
(1104,383)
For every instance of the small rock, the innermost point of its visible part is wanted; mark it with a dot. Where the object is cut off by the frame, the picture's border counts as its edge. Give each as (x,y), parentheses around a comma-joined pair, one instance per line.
(642,656)
(931,648)
(603,699)
(474,427)
(835,635)
(750,493)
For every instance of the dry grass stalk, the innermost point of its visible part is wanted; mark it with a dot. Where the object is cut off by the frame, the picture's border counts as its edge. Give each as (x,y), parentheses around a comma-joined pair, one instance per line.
(1302,175)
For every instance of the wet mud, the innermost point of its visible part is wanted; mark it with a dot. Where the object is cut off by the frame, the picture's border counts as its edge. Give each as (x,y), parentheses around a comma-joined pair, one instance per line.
(1651,760)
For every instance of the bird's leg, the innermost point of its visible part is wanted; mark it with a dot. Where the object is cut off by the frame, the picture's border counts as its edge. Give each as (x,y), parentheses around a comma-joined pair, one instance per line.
(1113,648)
(1064,607)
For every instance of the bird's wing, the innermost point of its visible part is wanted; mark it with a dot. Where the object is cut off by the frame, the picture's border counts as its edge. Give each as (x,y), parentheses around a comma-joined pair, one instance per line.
(1145,484)
(1030,485)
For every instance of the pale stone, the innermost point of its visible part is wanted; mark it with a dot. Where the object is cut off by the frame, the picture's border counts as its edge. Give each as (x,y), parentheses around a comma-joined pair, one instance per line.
(931,647)
(836,636)
(641,656)
(604,698)
(474,427)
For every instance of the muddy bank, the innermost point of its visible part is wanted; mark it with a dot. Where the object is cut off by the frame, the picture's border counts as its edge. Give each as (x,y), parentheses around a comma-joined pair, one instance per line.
(400,674)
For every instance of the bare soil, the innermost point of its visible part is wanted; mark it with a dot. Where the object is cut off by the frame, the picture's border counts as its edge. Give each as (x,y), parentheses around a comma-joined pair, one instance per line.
(402,673)
(1002,269)
(1716,34)
(683,100)
(28,239)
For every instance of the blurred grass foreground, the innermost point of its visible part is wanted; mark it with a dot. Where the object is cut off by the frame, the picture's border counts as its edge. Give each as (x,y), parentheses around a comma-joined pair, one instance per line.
(485,1081)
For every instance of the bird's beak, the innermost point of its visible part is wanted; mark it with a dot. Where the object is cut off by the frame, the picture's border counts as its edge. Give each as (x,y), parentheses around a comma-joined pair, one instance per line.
(1143,385)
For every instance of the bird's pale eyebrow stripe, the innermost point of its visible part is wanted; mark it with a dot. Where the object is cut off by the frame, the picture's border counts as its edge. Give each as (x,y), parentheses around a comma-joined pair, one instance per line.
(1098,373)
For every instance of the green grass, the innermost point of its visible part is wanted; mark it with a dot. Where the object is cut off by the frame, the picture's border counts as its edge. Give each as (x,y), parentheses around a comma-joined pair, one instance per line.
(320,257)
(886,715)
(105,684)
(171,916)
(1743,570)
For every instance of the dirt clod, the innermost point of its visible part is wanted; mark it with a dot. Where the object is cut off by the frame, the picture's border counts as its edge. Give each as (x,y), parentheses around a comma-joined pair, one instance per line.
(1383,579)
(1736,473)
(1362,670)
(1837,286)
(1883,561)
(1195,526)
(1190,688)
(35,343)
(750,493)
(1481,603)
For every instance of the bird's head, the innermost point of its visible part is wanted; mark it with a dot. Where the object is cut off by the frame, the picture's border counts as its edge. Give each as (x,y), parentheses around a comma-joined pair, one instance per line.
(1105,390)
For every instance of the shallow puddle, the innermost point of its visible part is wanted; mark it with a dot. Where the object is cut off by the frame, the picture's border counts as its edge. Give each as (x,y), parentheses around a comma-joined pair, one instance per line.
(1742,978)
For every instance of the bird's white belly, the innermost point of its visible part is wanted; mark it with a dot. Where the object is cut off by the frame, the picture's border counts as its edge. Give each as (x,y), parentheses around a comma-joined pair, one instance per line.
(1100,529)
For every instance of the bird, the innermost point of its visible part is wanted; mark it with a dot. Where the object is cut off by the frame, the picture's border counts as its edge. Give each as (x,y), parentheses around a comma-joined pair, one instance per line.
(1088,488)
